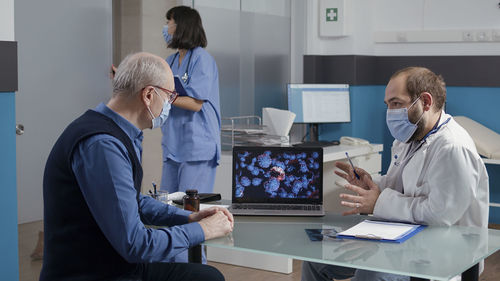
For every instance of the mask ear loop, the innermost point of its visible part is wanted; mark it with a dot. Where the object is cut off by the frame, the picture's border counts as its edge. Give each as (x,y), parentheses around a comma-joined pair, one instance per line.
(421,115)
(149,109)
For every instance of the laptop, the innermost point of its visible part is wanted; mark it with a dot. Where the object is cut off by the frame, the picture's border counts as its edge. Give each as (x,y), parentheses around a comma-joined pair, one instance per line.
(277,181)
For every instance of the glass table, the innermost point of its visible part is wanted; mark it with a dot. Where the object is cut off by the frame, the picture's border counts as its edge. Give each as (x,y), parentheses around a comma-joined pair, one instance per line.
(437,253)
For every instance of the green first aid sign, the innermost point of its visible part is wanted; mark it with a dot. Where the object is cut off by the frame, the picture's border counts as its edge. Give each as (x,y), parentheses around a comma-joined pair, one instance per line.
(331,14)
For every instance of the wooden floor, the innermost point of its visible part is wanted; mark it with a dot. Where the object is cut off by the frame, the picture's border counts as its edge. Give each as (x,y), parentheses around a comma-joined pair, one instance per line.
(30,270)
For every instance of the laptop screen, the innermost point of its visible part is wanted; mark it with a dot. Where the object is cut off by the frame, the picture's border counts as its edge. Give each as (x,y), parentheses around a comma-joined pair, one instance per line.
(278,175)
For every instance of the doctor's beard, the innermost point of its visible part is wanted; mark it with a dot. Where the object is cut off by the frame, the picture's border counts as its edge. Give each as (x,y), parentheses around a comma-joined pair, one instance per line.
(413,117)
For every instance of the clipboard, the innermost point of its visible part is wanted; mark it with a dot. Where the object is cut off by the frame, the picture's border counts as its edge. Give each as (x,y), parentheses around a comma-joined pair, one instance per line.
(179,88)
(381,231)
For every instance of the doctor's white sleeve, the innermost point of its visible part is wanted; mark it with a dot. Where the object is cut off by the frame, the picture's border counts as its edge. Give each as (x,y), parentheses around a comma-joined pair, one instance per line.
(450,185)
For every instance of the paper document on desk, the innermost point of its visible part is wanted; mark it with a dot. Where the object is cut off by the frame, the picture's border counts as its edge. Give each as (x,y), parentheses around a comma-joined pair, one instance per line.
(381,231)
(206,206)
(277,122)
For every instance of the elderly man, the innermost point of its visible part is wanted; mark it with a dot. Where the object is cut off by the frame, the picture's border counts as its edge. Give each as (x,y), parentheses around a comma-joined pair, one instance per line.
(436,176)
(94,214)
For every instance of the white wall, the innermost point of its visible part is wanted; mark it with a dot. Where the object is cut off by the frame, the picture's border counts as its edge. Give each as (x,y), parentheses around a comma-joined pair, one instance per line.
(153,20)
(7,20)
(367,17)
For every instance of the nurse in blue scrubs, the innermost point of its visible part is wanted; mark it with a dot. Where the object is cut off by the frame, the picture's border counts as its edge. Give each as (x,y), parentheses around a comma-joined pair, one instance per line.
(191,135)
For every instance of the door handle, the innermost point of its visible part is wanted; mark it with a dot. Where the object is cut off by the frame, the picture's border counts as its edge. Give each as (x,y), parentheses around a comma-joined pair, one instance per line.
(19,129)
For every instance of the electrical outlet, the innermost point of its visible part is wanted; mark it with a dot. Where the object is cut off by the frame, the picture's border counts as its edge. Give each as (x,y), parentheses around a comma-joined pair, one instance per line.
(401,37)
(468,36)
(495,35)
(483,35)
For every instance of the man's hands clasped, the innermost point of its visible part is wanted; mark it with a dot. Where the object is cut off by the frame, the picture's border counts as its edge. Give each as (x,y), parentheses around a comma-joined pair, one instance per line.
(215,221)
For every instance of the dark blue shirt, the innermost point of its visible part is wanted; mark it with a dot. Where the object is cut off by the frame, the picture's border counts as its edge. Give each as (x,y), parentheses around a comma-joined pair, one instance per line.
(103,170)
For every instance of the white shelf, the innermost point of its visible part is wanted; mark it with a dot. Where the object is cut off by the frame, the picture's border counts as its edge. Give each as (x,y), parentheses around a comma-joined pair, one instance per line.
(491,161)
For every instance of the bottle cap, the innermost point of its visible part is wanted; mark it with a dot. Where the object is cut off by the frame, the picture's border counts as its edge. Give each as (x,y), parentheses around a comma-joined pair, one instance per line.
(192,192)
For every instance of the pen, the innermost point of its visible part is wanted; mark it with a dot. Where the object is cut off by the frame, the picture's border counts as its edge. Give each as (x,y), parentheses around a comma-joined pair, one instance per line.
(349,158)
(154,187)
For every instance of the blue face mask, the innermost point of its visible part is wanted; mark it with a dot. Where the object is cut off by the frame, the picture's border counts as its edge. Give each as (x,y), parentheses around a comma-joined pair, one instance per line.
(166,36)
(162,118)
(400,126)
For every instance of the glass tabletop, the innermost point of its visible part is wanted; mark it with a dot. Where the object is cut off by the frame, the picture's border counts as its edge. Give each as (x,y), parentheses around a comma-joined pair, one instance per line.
(435,253)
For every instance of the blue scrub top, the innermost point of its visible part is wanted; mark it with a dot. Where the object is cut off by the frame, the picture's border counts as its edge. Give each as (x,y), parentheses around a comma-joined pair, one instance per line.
(189,135)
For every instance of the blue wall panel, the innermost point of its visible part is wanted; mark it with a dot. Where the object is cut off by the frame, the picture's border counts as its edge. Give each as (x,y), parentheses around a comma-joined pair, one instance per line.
(9,262)
(368,122)
(479,103)
(482,105)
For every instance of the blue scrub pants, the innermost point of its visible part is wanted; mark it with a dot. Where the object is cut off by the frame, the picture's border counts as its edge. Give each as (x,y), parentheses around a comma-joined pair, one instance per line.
(182,176)
(323,272)
(198,175)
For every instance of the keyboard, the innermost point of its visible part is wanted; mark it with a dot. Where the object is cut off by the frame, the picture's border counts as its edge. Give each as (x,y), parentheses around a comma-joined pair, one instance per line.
(309,210)
(283,207)
(316,144)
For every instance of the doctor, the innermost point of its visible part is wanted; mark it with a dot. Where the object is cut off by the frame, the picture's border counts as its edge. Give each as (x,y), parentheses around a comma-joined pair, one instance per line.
(436,176)
(191,135)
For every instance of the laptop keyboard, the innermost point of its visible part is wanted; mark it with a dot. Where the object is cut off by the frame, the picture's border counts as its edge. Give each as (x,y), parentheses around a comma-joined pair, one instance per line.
(277,207)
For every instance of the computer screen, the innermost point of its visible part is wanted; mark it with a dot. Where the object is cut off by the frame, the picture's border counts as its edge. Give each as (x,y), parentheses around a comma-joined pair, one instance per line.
(319,103)
(286,173)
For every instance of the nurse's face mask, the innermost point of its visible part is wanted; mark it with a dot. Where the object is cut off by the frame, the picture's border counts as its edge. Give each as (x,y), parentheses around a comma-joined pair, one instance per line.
(162,118)
(399,125)
(166,35)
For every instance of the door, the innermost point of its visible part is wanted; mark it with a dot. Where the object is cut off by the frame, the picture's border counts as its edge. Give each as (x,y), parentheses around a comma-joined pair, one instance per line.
(65,50)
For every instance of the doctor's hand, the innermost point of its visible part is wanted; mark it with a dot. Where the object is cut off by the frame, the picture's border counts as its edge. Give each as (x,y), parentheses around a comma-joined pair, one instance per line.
(349,176)
(364,201)
(216,225)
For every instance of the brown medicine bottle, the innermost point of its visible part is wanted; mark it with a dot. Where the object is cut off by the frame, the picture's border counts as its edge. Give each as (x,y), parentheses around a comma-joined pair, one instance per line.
(191,202)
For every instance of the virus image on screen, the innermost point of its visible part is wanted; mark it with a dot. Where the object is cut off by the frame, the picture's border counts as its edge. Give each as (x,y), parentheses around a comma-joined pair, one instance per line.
(277,174)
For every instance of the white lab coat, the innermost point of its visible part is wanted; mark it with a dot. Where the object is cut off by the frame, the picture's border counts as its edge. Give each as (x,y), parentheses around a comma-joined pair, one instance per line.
(444,183)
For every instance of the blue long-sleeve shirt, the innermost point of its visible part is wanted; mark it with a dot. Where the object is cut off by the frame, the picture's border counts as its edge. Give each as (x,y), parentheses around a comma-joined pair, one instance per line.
(103,170)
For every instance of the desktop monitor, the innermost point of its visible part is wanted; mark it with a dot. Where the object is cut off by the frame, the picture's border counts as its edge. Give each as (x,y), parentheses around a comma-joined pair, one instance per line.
(319,103)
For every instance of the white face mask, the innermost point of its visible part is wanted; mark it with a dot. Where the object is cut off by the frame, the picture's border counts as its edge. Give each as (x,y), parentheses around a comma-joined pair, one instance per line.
(162,118)
(399,125)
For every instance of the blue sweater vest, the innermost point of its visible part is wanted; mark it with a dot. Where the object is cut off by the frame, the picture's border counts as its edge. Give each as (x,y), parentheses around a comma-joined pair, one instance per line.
(74,246)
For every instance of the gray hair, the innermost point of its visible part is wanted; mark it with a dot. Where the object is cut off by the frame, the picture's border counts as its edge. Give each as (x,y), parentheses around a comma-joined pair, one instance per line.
(138,71)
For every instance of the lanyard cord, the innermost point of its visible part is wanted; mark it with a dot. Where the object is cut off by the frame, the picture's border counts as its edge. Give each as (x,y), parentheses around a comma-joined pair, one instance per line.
(411,152)
(433,131)
(189,63)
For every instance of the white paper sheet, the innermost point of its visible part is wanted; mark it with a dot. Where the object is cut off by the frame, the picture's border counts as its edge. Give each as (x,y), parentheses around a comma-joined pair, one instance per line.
(205,206)
(277,122)
(379,230)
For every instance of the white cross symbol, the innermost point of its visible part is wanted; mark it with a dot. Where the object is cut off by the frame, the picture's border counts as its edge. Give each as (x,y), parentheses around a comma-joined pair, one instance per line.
(331,15)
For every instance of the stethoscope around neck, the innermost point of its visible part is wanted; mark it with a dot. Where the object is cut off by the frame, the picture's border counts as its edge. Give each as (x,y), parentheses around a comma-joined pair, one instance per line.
(185,76)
